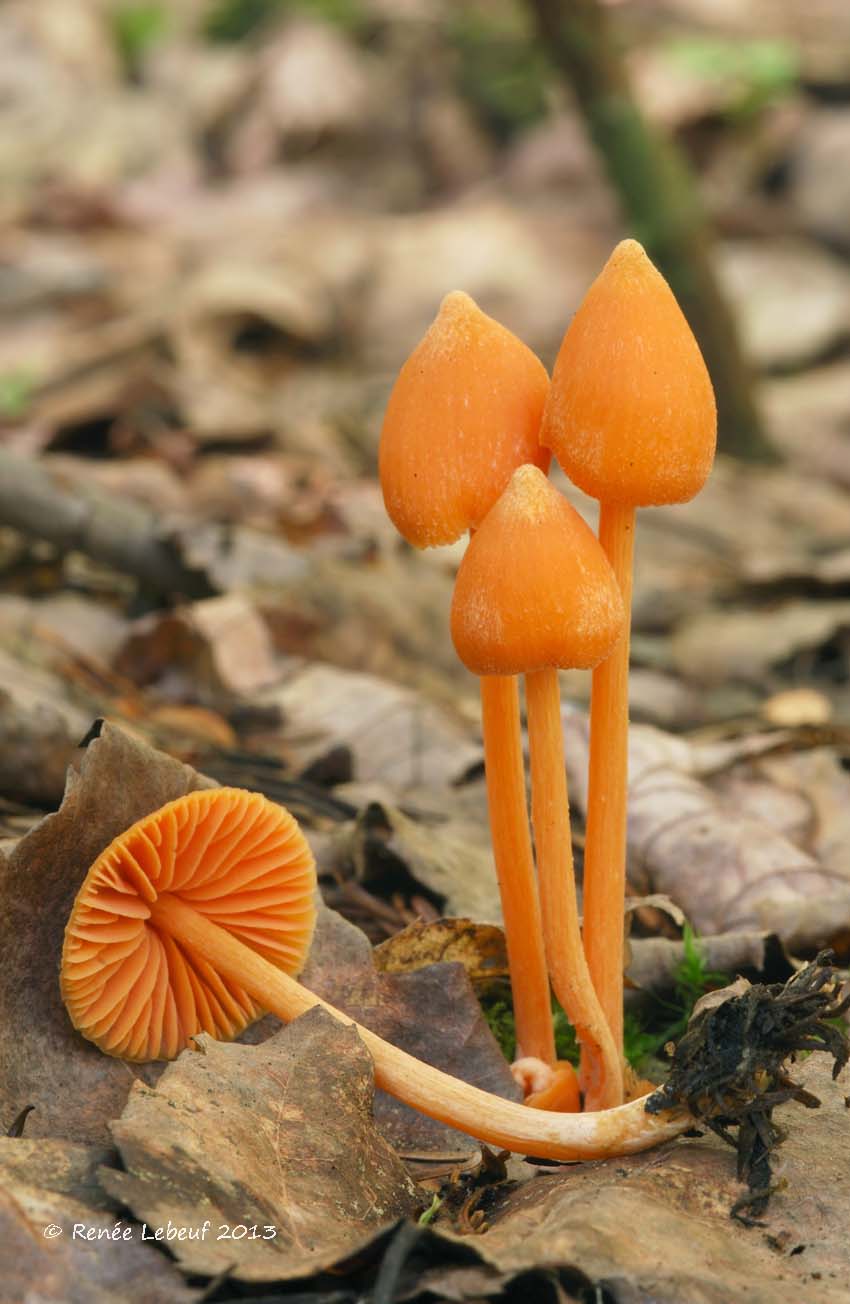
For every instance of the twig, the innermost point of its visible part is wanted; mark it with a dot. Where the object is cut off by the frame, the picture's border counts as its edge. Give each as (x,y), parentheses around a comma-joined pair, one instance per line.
(660,199)
(116,531)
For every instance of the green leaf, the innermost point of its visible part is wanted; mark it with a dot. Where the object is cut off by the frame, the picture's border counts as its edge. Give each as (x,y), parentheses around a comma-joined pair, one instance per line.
(136,27)
(16,388)
(431,1212)
(756,72)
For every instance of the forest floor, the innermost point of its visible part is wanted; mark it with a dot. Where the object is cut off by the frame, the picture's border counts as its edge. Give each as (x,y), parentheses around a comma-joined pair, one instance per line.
(218,247)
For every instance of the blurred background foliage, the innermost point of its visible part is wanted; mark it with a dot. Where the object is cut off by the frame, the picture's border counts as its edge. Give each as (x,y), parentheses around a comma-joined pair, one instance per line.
(225,223)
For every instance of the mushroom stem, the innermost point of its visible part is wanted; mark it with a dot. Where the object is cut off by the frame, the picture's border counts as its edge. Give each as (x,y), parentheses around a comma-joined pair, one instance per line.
(506,800)
(550,813)
(607,793)
(489,1118)
(562,1093)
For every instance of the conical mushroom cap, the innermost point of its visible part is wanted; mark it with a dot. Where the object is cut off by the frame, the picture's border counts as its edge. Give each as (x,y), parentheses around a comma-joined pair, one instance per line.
(534,588)
(238,859)
(463,415)
(631,415)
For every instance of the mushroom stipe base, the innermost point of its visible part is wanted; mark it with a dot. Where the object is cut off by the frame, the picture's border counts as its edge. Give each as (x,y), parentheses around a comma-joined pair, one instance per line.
(727,1072)
(489,1118)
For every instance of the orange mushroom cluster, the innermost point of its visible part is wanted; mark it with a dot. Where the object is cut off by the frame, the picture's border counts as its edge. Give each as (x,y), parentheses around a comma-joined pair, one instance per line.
(197,917)
(630,417)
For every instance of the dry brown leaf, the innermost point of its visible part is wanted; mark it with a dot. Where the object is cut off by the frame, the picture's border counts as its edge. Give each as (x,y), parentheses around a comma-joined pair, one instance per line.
(389,618)
(432,1013)
(277,1137)
(67,1269)
(213,650)
(657,1227)
(819,185)
(654,962)
(395,735)
(75,1087)
(749,643)
(54,1184)
(762,277)
(819,779)
(446,853)
(36,687)
(242,337)
(795,570)
(231,558)
(688,561)
(299,495)
(656,697)
(315,83)
(784,808)
(480,948)
(524,269)
(727,870)
(63,1167)
(797,706)
(815,400)
(36,747)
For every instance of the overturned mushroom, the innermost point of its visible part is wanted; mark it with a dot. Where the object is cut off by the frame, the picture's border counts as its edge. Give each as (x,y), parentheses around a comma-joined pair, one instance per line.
(131,980)
(193,919)
(200,872)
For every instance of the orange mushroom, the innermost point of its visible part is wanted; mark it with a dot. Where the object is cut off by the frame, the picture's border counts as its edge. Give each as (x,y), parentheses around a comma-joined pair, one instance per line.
(545,1087)
(631,418)
(562,1093)
(535,592)
(193,919)
(464,413)
(230,857)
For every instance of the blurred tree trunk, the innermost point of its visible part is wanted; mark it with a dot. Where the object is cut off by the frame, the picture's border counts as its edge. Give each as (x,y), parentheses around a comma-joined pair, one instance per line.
(660,200)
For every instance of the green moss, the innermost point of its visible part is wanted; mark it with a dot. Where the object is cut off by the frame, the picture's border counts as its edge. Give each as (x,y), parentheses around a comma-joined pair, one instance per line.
(136,27)
(499,1013)
(644,1036)
(566,1045)
(230,21)
(501,69)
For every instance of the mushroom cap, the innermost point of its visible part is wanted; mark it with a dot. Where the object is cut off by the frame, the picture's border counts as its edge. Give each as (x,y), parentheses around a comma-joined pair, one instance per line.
(631,415)
(238,859)
(464,412)
(535,588)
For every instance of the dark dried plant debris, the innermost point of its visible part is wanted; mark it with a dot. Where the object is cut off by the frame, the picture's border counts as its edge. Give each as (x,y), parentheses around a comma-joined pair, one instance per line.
(17,1128)
(729,1068)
